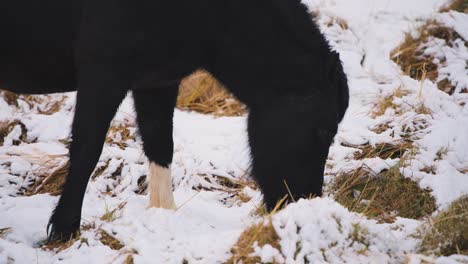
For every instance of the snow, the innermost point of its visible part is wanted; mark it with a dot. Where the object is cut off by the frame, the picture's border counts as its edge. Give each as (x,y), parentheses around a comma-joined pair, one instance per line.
(209,221)
(321,231)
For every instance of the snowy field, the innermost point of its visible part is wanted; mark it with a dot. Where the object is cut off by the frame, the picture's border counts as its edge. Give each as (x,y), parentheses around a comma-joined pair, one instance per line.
(212,151)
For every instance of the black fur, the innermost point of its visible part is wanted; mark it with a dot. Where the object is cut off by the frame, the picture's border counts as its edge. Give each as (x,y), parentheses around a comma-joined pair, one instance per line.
(269,53)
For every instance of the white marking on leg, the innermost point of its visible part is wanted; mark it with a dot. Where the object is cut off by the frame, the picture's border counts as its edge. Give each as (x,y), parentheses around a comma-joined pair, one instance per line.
(160,187)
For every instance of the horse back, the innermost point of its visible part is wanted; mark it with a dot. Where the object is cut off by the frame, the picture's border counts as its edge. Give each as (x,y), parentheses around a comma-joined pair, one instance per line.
(36,50)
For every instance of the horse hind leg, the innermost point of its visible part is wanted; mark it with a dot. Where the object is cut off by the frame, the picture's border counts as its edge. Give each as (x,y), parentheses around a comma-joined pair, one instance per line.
(155,109)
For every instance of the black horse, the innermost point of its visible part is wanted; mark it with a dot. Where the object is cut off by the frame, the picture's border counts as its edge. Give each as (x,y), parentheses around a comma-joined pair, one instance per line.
(269,53)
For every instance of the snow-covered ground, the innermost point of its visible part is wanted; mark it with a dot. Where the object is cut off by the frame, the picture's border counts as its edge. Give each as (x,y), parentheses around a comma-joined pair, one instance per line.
(210,150)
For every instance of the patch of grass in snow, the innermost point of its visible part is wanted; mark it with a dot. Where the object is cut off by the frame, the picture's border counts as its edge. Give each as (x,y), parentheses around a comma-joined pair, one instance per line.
(114,175)
(263,233)
(110,240)
(129,259)
(44,104)
(359,235)
(447,233)
(233,187)
(384,151)
(58,246)
(413,59)
(103,236)
(202,93)
(387,102)
(396,102)
(111,215)
(51,183)
(338,21)
(9,97)
(457,5)
(119,135)
(99,170)
(7,126)
(4,231)
(51,106)
(383,195)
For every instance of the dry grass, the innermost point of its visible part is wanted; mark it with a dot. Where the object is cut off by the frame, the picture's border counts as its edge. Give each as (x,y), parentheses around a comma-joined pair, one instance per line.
(359,235)
(111,215)
(393,150)
(109,240)
(233,187)
(4,231)
(119,135)
(448,233)
(262,233)
(98,171)
(457,5)
(103,236)
(129,259)
(383,195)
(51,183)
(52,107)
(7,126)
(387,102)
(339,21)
(9,97)
(415,63)
(47,106)
(202,93)
(58,246)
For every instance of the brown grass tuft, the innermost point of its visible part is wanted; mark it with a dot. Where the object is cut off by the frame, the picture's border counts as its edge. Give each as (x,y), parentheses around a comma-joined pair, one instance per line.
(109,240)
(103,236)
(4,231)
(7,126)
(392,150)
(382,196)
(202,93)
(235,187)
(111,215)
(232,187)
(457,5)
(339,21)
(52,107)
(52,183)
(448,233)
(118,135)
(129,259)
(58,246)
(418,65)
(387,102)
(262,233)
(9,97)
(98,171)
(48,106)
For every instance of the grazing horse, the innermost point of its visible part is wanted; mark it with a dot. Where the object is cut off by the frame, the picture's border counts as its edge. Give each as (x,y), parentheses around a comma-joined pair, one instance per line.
(269,53)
